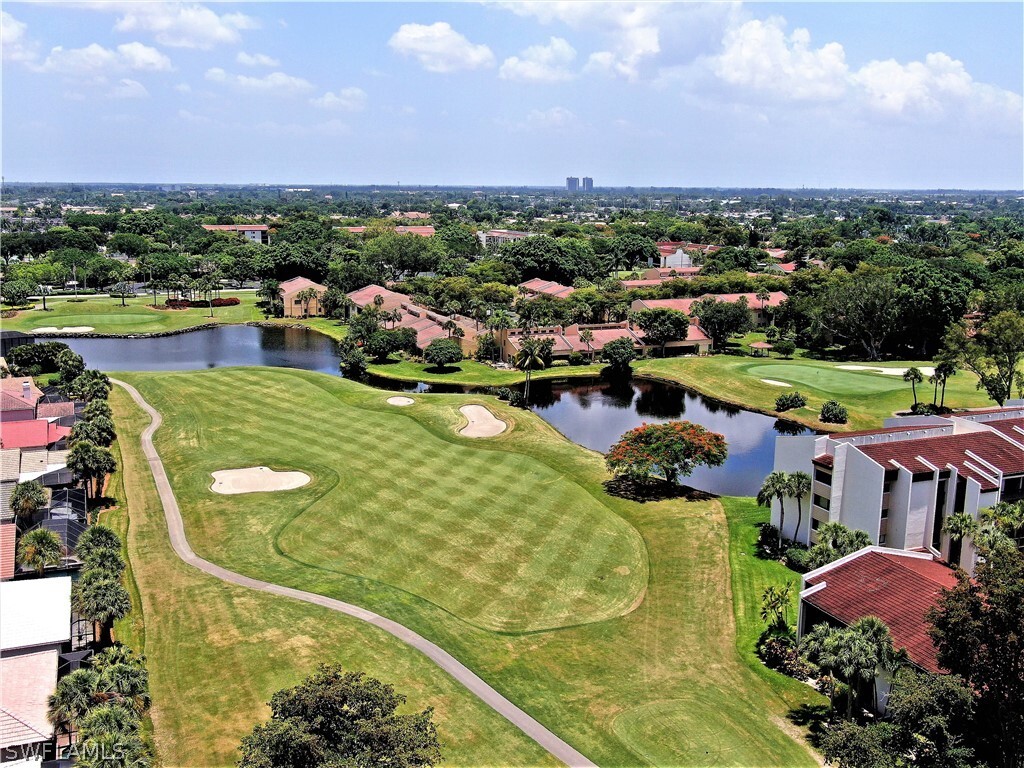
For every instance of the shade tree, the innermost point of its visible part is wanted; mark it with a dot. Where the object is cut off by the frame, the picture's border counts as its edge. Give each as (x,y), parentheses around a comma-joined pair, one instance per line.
(673,449)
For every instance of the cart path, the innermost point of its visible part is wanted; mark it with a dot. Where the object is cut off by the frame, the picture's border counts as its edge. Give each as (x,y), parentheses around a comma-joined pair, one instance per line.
(463,674)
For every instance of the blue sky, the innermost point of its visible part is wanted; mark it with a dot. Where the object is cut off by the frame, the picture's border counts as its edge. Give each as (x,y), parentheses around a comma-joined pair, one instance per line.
(879,95)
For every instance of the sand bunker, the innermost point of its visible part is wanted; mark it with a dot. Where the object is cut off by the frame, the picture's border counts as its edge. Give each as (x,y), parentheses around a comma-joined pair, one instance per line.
(401,402)
(256,480)
(482,423)
(68,329)
(927,370)
(775,383)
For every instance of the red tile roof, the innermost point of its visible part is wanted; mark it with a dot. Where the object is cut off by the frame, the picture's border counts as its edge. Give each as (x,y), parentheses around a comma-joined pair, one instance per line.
(422,231)
(897,588)
(775,299)
(1012,428)
(951,449)
(364,296)
(549,287)
(9,402)
(55,410)
(37,433)
(299,284)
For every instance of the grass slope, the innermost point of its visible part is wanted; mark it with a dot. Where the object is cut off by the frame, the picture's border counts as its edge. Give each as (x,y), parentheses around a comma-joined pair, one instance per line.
(601,684)
(217,652)
(869,396)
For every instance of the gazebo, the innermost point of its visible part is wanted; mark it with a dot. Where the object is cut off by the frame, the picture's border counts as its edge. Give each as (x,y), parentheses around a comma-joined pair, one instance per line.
(760,349)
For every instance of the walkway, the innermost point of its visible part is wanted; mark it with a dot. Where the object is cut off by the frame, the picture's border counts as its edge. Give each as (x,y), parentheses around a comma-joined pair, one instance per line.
(176,528)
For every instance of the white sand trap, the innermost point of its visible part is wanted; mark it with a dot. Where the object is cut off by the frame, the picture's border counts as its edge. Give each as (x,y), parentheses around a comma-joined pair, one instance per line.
(68,329)
(256,480)
(401,402)
(775,383)
(482,423)
(927,370)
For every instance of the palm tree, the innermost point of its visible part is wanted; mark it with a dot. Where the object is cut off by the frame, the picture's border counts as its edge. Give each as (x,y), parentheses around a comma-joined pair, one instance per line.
(1009,516)
(110,749)
(127,684)
(959,526)
(889,659)
(775,607)
(74,697)
(915,377)
(587,336)
(775,486)
(101,598)
(305,297)
(944,371)
(529,358)
(39,548)
(799,485)
(108,718)
(848,653)
(763,296)
(27,497)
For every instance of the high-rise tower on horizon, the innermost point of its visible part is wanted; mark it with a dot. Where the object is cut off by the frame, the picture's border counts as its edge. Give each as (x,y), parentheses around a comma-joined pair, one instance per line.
(588,184)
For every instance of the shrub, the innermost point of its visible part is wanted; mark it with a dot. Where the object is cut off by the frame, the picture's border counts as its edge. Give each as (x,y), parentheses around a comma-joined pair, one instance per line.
(487,348)
(559,363)
(577,358)
(785,347)
(790,400)
(780,653)
(797,558)
(517,399)
(441,353)
(231,301)
(833,413)
(767,540)
(924,409)
(504,393)
(16,292)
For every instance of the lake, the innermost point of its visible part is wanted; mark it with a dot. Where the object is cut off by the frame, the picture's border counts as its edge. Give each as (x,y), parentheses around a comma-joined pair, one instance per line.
(591,413)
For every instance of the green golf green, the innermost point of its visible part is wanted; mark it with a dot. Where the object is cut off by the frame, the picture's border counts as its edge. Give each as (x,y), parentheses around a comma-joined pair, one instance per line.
(833,382)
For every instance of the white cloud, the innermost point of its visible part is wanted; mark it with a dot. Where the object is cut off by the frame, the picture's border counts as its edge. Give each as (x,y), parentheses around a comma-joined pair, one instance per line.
(256,60)
(932,87)
(95,60)
(541,63)
(302,130)
(274,82)
(180,25)
(183,88)
(14,44)
(439,48)
(557,118)
(129,89)
(759,55)
(351,99)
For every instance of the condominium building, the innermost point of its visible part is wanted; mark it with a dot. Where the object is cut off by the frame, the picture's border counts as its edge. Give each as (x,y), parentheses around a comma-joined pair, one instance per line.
(902,482)
(572,183)
(588,184)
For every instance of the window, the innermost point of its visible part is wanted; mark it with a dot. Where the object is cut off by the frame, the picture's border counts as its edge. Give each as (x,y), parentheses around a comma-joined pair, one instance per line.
(823,476)
(821,501)
(881,538)
(885,513)
(815,522)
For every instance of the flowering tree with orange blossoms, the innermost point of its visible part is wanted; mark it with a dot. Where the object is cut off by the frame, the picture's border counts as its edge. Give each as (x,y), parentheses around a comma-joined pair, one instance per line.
(675,449)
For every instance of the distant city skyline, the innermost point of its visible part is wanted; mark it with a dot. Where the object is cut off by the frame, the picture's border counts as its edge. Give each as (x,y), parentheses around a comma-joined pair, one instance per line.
(779,95)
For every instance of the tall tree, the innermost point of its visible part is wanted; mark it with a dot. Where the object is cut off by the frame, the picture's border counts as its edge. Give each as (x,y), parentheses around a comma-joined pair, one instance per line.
(529,358)
(90,464)
(662,325)
(798,485)
(775,487)
(978,629)
(915,377)
(341,718)
(101,598)
(674,448)
(994,353)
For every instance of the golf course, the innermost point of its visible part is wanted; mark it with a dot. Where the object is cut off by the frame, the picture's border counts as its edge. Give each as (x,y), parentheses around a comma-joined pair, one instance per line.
(612,622)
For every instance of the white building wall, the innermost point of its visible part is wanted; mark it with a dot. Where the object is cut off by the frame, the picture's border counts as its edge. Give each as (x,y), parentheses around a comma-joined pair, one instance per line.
(920,512)
(899,503)
(794,454)
(860,503)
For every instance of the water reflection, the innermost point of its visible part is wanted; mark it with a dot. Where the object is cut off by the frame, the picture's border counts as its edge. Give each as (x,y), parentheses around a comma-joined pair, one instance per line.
(593,413)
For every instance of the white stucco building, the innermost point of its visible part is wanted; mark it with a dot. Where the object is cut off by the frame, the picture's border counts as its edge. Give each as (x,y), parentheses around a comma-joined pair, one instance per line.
(900,483)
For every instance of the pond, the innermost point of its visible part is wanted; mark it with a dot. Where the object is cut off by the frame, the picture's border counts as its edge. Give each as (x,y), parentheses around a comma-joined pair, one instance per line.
(591,413)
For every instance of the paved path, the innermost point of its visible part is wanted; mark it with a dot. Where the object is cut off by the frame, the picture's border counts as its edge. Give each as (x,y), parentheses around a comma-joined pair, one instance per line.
(463,674)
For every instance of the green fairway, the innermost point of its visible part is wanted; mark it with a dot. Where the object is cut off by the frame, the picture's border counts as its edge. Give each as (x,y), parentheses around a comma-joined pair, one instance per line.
(870,396)
(604,609)
(106,315)
(217,652)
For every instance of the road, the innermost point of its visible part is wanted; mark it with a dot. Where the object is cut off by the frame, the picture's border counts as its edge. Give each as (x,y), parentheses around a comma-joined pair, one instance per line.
(558,749)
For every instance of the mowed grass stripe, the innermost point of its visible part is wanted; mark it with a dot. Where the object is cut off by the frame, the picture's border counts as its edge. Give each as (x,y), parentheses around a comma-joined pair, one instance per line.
(397,514)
